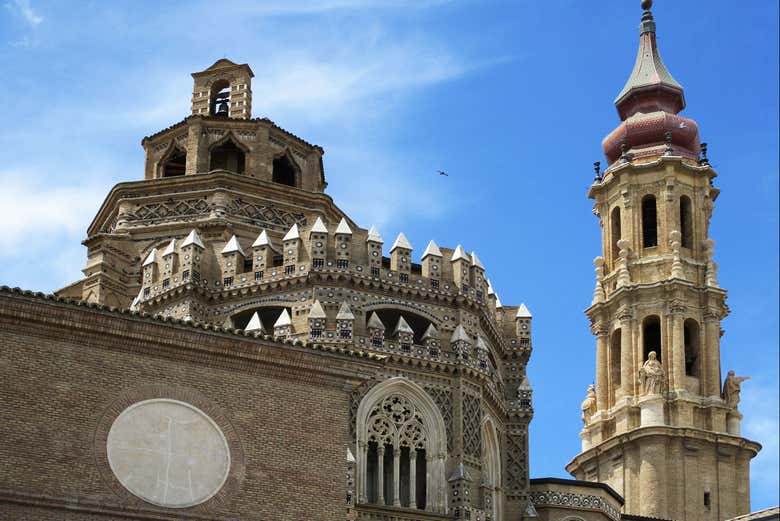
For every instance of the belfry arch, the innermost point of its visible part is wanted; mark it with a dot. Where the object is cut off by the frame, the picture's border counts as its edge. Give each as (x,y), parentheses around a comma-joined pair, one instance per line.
(397,423)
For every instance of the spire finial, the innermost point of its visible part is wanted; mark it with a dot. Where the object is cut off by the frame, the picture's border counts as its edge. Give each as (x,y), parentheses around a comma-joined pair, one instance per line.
(647,25)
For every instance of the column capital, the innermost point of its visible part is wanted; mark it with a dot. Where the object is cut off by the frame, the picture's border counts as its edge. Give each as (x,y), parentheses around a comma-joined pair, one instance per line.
(599,329)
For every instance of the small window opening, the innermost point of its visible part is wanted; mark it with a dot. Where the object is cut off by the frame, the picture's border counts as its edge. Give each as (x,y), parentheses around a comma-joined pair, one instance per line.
(686,222)
(707,499)
(691,341)
(175,164)
(227,156)
(614,355)
(283,171)
(615,232)
(649,222)
(652,336)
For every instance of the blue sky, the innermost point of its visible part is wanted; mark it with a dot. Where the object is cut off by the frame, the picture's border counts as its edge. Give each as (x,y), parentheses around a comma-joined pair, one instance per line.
(511,98)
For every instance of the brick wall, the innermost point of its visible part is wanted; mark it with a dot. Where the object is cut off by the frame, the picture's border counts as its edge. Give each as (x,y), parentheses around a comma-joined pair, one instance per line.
(67,371)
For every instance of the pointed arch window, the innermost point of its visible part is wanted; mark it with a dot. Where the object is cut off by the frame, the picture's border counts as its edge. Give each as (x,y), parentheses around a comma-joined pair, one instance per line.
(174,164)
(227,156)
(649,222)
(401,447)
(284,171)
(686,222)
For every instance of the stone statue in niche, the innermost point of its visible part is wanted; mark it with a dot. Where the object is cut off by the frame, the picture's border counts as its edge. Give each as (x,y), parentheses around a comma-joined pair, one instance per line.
(652,375)
(589,404)
(731,388)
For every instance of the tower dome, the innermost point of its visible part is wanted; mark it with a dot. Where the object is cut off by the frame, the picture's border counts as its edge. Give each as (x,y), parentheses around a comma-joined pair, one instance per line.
(649,104)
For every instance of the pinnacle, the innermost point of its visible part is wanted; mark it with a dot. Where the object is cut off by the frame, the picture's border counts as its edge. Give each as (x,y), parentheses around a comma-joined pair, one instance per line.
(292,234)
(319,226)
(170,249)
(401,242)
(233,246)
(344,312)
(373,235)
(402,327)
(432,249)
(343,228)
(193,238)
(374,322)
(262,240)
(283,320)
(151,258)
(522,312)
(316,310)
(255,324)
(460,335)
(459,254)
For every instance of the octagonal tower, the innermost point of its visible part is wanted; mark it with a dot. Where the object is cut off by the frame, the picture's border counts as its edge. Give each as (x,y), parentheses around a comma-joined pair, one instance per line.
(231,229)
(659,427)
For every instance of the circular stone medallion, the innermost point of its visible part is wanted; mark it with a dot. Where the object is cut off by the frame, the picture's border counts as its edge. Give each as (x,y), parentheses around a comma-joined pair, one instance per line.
(168,453)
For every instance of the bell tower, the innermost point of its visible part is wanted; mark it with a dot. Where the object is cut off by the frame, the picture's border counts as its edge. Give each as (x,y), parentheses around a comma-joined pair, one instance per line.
(660,429)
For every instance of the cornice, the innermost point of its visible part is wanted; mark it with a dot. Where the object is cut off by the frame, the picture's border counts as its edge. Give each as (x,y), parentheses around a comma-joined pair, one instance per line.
(236,345)
(615,171)
(666,433)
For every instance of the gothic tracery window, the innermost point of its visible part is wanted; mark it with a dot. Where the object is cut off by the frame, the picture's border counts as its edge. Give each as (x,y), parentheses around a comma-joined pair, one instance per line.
(401,447)
(396,433)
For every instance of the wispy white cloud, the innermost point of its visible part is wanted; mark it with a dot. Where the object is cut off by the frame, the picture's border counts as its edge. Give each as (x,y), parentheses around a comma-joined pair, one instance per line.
(36,213)
(25,10)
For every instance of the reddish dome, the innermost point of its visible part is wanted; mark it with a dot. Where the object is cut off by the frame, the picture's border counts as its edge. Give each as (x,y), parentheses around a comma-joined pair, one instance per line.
(645,135)
(648,106)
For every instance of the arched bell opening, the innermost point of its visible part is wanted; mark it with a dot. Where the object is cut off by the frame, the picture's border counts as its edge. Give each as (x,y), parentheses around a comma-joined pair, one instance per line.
(649,222)
(691,342)
(285,171)
(227,155)
(615,232)
(686,222)
(174,164)
(219,99)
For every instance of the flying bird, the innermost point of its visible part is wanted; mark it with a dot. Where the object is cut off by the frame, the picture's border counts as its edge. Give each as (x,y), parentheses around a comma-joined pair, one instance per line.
(442,172)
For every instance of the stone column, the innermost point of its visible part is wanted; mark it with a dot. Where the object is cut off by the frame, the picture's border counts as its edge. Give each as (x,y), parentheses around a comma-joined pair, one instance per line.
(397,476)
(412,477)
(380,487)
(627,373)
(602,347)
(361,471)
(652,478)
(678,352)
(711,354)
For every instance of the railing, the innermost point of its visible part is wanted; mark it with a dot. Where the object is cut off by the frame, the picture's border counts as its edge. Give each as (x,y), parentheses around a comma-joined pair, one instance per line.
(388,513)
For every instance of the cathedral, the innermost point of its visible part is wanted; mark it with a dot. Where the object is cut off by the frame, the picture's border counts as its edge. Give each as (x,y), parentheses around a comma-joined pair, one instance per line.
(240,349)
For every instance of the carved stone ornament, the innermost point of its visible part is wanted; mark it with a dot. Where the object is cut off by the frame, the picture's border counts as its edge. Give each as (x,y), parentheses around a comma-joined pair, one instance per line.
(732,387)
(652,375)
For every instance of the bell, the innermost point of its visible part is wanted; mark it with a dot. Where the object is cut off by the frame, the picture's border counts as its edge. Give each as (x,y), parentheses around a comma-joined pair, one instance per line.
(222,109)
